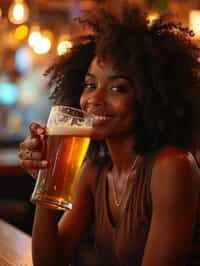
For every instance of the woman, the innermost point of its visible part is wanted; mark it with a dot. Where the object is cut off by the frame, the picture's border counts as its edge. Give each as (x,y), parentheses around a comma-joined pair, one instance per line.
(138,190)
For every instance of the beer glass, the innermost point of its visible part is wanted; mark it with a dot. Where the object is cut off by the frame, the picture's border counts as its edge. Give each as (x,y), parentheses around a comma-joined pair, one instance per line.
(68,138)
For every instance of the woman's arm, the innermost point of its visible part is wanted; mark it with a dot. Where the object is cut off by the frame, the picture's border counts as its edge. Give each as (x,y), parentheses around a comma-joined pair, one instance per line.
(55,243)
(46,246)
(174,188)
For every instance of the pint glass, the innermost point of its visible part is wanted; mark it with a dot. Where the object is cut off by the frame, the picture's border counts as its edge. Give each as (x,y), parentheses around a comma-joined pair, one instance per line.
(68,138)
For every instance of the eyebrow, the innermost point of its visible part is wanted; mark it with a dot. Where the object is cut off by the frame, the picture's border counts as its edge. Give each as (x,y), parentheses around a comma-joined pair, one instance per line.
(110,77)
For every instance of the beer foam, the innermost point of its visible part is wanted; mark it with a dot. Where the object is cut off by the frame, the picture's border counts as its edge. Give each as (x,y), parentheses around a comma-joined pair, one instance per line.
(71,131)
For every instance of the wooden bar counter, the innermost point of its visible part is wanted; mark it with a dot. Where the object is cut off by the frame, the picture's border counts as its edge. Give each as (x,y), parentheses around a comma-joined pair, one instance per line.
(16,187)
(15,246)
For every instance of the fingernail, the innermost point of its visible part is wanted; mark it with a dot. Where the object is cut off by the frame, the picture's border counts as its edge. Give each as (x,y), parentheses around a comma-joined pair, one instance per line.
(42,137)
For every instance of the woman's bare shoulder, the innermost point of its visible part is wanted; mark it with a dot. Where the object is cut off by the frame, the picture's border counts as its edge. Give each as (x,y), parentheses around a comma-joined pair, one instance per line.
(175,157)
(175,167)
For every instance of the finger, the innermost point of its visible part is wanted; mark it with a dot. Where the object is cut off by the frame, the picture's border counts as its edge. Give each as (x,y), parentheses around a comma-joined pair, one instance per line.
(30,155)
(30,143)
(33,164)
(36,129)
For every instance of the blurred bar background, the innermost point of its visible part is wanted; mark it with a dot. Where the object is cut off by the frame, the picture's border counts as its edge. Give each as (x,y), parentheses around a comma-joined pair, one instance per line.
(32,34)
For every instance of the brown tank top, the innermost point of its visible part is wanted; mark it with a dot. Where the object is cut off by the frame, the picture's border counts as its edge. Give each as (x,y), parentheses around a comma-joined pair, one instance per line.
(124,244)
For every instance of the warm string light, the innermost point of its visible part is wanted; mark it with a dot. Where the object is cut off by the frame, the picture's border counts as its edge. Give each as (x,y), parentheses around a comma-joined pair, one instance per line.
(152,16)
(21,32)
(40,41)
(34,35)
(64,44)
(63,47)
(18,12)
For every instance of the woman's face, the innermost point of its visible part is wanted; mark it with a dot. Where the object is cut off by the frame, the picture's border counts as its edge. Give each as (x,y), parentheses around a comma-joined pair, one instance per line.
(109,96)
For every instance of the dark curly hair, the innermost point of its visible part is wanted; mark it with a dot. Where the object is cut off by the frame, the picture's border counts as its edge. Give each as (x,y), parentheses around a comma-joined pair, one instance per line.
(161,58)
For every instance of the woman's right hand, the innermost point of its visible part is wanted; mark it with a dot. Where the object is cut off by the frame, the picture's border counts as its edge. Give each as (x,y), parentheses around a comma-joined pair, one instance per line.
(32,150)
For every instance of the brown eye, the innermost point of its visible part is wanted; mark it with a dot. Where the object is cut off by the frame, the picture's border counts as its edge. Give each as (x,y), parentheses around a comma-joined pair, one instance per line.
(89,86)
(119,89)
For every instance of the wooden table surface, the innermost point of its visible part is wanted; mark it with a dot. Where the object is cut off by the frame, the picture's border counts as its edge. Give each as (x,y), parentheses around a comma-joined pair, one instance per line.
(15,246)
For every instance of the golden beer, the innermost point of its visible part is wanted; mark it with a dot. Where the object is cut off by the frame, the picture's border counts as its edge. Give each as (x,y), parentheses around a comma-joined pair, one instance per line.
(66,147)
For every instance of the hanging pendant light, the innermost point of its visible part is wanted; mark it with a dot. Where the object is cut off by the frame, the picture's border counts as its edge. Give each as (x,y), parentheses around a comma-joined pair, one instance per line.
(18,12)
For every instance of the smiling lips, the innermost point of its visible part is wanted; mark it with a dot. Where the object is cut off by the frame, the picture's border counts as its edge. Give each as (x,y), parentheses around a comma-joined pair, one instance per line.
(98,119)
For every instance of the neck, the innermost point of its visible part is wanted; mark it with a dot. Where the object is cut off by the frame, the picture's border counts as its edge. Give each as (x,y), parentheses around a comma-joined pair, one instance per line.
(122,154)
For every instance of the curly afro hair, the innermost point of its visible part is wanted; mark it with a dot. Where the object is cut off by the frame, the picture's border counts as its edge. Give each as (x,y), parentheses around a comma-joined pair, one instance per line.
(163,61)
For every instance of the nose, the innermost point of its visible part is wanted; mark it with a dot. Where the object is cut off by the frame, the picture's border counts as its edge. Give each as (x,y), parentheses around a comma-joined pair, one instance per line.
(97,97)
